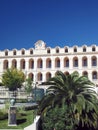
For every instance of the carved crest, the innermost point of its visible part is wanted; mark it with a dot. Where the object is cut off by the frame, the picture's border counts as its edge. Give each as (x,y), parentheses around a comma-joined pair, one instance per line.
(40,44)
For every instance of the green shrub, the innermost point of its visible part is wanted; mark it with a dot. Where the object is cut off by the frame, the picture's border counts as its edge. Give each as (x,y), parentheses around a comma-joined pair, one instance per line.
(3,115)
(30,107)
(21,101)
(7,104)
(4,112)
(1,84)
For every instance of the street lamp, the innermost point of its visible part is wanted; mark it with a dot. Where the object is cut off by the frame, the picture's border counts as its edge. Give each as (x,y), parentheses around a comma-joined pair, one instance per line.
(35,91)
(35,87)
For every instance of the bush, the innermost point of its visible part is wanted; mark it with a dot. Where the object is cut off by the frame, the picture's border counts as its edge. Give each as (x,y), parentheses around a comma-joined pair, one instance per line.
(31,107)
(1,84)
(3,115)
(4,112)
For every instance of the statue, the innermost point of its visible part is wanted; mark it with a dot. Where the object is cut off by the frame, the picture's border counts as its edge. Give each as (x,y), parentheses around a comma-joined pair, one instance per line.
(12,102)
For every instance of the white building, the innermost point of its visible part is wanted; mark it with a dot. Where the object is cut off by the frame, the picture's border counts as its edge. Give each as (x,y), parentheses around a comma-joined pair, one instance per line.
(42,62)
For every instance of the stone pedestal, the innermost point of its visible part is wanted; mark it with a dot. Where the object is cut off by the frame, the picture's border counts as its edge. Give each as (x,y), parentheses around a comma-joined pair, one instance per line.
(12,116)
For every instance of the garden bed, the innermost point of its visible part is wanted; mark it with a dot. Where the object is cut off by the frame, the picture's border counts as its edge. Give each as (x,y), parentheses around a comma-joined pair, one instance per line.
(24,119)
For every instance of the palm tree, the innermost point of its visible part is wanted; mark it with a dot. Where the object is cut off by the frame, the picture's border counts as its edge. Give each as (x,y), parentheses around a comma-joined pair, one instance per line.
(77,92)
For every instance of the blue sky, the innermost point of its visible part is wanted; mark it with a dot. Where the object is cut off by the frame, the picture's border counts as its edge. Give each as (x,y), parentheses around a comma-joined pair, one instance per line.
(56,22)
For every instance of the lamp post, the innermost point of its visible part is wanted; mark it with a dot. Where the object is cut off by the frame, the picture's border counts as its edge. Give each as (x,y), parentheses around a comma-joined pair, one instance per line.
(25,77)
(25,84)
(35,87)
(35,92)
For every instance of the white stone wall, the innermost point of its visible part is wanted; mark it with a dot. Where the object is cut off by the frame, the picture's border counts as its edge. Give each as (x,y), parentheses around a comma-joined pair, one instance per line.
(40,52)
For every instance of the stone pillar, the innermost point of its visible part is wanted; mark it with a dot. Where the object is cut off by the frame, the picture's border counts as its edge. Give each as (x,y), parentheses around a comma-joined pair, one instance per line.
(1,66)
(26,64)
(53,63)
(61,62)
(44,77)
(80,62)
(89,62)
(44,63)
(70,62)
(12,114)
(9,63)
(18,64)
(35,64)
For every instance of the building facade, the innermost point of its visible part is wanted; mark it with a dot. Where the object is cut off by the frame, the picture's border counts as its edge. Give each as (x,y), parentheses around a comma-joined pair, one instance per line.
(42,62)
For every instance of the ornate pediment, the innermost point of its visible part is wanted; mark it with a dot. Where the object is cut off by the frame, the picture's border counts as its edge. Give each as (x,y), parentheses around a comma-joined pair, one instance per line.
(40,44)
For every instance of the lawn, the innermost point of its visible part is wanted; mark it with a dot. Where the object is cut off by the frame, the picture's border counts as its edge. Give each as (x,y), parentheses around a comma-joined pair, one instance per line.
(24,119)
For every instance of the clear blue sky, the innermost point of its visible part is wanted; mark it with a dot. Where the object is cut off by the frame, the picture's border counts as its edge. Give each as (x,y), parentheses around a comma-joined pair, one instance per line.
(56,22)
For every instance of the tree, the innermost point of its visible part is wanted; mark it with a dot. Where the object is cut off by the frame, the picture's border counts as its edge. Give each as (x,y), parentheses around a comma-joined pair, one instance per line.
(28,86)
(58,118)
(13,79)
(77,92)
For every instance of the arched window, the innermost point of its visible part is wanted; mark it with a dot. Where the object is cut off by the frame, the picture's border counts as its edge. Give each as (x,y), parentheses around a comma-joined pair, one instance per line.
(6,53)
(14,52)
(22,64)
(75,49)
(5,64)
(14,63)
(85,73)
(31,76)
(94,61)
(57,62)
(31,64)
(40,63)
(66,62)
(66,49)
(23,52)
(31,51)
(75,62)
(48,75)
(39,77)
(93,48)
(84,49)
(84,61)
(94,75)
(48,63)
(48,50)
(57,50)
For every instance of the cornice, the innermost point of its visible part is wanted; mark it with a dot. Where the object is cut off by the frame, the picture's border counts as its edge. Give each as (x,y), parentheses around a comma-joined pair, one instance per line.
(46,55)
